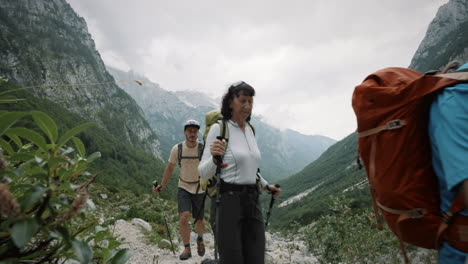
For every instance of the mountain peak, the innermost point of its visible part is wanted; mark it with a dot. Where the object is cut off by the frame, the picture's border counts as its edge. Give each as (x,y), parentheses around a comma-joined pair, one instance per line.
(445,39)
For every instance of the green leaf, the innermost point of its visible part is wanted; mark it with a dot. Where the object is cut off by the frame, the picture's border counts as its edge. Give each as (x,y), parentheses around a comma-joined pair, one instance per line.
(30,198)
(46,124)
(30,135)
(17,157)
(79,146)
(121,257)
(7,101)
(23,231)
(17,140)
(54,161)
(83,251)
(5,145)
(72,132)
(7,119)
(93,156)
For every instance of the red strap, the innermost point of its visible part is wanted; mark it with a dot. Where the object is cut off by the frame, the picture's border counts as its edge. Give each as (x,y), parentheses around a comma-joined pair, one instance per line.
(458,204)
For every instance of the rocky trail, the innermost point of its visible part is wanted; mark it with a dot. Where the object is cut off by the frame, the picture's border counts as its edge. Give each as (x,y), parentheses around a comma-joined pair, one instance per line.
(278,249)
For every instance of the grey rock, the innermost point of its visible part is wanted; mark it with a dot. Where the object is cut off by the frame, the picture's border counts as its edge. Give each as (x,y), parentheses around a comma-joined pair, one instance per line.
(445,39)
(142,223)
(124,208)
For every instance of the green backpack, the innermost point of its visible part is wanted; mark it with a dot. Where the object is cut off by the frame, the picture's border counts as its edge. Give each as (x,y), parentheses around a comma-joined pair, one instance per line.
(213,117)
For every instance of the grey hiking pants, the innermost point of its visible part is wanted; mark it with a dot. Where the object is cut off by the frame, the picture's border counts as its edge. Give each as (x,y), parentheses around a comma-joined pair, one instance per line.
(241,226)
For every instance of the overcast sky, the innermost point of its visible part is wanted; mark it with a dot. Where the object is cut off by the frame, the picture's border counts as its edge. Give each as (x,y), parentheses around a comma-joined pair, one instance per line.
(303,57)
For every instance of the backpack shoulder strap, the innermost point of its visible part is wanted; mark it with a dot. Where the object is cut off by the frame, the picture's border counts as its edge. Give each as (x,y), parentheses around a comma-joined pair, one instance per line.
(224,130)
(252,127)
(201,147)
(179,152)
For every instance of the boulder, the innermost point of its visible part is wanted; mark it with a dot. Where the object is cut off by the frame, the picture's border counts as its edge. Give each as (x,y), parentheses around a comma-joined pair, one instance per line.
(142,223)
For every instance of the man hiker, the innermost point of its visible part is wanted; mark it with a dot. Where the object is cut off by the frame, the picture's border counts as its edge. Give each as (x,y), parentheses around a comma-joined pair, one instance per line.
(189,194)
(448,133)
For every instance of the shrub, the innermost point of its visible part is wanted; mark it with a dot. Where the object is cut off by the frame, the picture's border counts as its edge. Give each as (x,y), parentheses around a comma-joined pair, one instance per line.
(350,236)
(45,213)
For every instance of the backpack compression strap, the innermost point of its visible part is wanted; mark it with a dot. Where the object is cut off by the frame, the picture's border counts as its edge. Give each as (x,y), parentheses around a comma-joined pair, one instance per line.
(391,125)
(180,157)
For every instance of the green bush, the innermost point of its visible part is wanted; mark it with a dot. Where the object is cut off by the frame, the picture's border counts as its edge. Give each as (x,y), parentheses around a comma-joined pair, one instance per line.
(45,213)
(145,214)
(350,236)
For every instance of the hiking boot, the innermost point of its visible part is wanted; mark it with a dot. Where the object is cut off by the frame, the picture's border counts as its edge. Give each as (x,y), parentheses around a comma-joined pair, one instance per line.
(201,248)
(186,254)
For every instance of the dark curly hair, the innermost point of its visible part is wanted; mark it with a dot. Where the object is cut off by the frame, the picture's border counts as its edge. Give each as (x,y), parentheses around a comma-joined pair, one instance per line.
(235,89)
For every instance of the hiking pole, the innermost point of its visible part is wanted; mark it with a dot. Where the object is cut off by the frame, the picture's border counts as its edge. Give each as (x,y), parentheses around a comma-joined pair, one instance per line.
(219,165)
(155,184)
(271,204)
(200,211)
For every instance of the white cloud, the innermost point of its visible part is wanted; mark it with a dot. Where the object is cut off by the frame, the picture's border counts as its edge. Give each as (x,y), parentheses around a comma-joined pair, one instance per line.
(303,57)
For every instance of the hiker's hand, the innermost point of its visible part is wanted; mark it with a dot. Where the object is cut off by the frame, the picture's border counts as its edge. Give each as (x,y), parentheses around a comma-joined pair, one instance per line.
(157,189)
(217,148)
(274,190)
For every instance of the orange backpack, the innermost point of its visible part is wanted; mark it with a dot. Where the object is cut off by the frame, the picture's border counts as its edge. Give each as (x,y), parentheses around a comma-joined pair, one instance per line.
(392,110)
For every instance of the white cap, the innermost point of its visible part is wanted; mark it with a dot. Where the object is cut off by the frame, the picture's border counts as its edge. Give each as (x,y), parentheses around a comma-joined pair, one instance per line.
(192,123)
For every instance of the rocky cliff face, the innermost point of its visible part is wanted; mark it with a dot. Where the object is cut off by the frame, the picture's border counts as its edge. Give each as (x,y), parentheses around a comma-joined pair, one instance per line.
(283,152)
(165,111)
(45,43)
(446,39)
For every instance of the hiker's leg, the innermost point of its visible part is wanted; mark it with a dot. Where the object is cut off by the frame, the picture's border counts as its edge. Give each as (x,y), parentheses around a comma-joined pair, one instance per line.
(198,210)
(253,235)
(200,227)
(184,206)
(229,238)
(184,227)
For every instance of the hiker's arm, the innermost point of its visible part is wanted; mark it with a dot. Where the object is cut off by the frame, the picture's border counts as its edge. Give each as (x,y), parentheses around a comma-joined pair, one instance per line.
(166,177)
(207,168)
(269,187)
(167,174)
(275,190)
(171,163)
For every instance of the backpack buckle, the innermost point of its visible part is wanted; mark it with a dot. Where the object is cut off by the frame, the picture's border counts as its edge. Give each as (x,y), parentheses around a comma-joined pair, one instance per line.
(394,124)
(417,213)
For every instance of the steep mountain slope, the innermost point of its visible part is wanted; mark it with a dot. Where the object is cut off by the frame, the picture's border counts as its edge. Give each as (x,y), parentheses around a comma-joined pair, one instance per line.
(120,166)
(446,39)
(333,172)
(45,43)
(283,152)
(165,111)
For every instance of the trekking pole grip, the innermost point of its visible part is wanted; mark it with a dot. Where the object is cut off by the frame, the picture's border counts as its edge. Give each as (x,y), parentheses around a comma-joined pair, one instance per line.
(218,158)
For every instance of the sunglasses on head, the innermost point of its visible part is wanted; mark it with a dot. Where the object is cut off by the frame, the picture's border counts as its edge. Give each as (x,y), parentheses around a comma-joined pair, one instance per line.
(237,84)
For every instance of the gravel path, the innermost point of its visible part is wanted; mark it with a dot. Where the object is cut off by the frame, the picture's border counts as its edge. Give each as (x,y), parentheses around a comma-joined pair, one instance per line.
(279,250)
